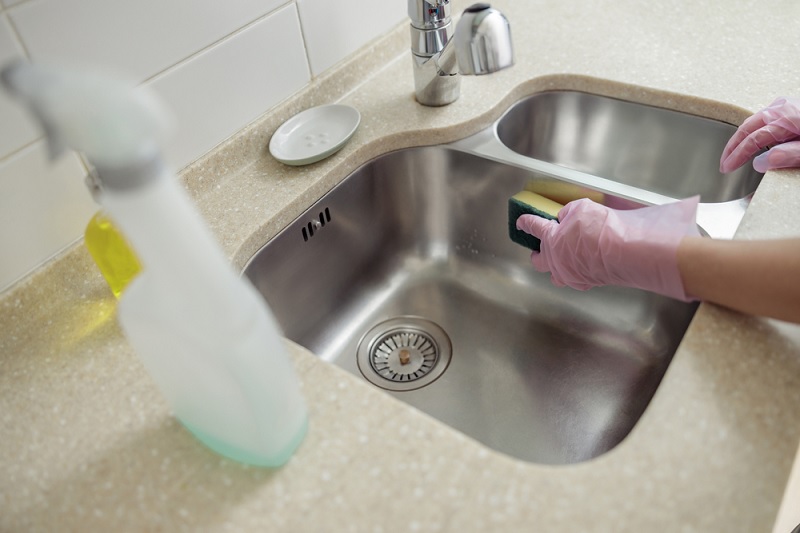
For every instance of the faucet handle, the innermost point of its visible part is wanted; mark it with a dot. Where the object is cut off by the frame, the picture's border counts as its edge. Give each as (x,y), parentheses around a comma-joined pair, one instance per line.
(429,14)
(483,40)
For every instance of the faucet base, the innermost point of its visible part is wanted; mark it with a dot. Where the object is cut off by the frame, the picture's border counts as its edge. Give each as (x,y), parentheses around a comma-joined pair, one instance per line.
(433,85)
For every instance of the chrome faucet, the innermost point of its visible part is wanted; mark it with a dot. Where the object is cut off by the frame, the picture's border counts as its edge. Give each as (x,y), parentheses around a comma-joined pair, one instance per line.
(480,44)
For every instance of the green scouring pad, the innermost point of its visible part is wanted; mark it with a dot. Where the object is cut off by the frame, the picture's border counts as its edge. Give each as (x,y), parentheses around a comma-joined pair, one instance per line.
(529,203)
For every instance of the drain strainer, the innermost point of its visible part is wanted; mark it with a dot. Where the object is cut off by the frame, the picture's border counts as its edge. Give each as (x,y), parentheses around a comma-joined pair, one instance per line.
(404,353)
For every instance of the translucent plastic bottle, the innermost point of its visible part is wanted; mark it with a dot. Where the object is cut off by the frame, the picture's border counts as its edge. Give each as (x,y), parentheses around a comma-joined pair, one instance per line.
(203,332)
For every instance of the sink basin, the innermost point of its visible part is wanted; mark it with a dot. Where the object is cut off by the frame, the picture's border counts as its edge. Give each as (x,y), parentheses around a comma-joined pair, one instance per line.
(404,274)
(658,150)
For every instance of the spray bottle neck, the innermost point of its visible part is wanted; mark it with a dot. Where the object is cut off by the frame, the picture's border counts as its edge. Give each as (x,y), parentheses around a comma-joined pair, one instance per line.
(131,175)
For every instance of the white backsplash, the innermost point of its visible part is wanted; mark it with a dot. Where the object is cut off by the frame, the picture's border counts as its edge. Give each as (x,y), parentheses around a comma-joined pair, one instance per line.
(218,65)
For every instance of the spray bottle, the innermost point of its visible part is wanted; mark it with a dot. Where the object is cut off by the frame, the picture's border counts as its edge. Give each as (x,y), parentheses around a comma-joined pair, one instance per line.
(203,332)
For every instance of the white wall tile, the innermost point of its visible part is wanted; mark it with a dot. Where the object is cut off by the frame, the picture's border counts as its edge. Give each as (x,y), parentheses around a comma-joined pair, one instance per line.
(138,38)
(16,127)
(219,91)
(335,29)
(44,207)
(219,65)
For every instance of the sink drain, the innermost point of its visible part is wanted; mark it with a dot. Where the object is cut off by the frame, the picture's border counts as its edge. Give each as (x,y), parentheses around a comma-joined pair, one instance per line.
(404,353)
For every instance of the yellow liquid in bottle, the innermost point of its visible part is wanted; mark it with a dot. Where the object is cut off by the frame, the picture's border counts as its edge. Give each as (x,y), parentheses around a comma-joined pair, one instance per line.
(112,253)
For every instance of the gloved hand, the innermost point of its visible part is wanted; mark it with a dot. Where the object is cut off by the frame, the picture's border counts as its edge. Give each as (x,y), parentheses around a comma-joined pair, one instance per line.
(778,126)
(594,245)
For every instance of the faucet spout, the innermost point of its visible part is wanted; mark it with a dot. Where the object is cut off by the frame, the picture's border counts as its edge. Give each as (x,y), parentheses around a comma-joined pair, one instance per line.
(479,44)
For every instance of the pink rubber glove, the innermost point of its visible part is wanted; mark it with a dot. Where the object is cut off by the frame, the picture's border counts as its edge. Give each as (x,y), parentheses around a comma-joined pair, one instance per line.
(778,126)
(595,245)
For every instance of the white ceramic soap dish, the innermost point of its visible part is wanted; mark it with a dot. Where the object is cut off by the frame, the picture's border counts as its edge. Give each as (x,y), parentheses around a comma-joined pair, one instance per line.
(314,134)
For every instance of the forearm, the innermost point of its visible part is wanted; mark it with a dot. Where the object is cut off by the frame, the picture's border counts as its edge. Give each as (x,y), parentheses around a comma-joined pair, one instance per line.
(756,277)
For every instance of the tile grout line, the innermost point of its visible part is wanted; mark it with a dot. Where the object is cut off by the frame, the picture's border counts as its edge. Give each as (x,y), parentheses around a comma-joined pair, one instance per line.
(5,158)
(311,74)
(193,55)
(17,35)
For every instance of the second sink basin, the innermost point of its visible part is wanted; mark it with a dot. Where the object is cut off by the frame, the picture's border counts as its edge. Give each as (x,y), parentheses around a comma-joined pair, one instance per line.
(659,150)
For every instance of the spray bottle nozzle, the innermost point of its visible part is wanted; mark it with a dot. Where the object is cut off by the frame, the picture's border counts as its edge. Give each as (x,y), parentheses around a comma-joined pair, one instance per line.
(109,120)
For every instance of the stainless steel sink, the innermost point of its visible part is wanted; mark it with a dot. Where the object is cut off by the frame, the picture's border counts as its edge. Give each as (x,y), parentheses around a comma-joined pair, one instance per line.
(542,374)
(404,274)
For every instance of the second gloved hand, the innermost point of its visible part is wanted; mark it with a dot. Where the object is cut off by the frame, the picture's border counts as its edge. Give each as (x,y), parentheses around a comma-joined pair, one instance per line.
(778,126)
(594,245)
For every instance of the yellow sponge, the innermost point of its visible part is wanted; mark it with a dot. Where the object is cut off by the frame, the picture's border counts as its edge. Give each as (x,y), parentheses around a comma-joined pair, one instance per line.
(527,202)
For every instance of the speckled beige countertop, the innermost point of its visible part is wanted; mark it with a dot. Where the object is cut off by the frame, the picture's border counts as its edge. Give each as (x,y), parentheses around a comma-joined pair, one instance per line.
(89,445)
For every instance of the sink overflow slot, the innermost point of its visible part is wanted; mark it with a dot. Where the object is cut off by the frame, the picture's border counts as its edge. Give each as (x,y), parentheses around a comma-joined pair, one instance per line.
(314,224)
